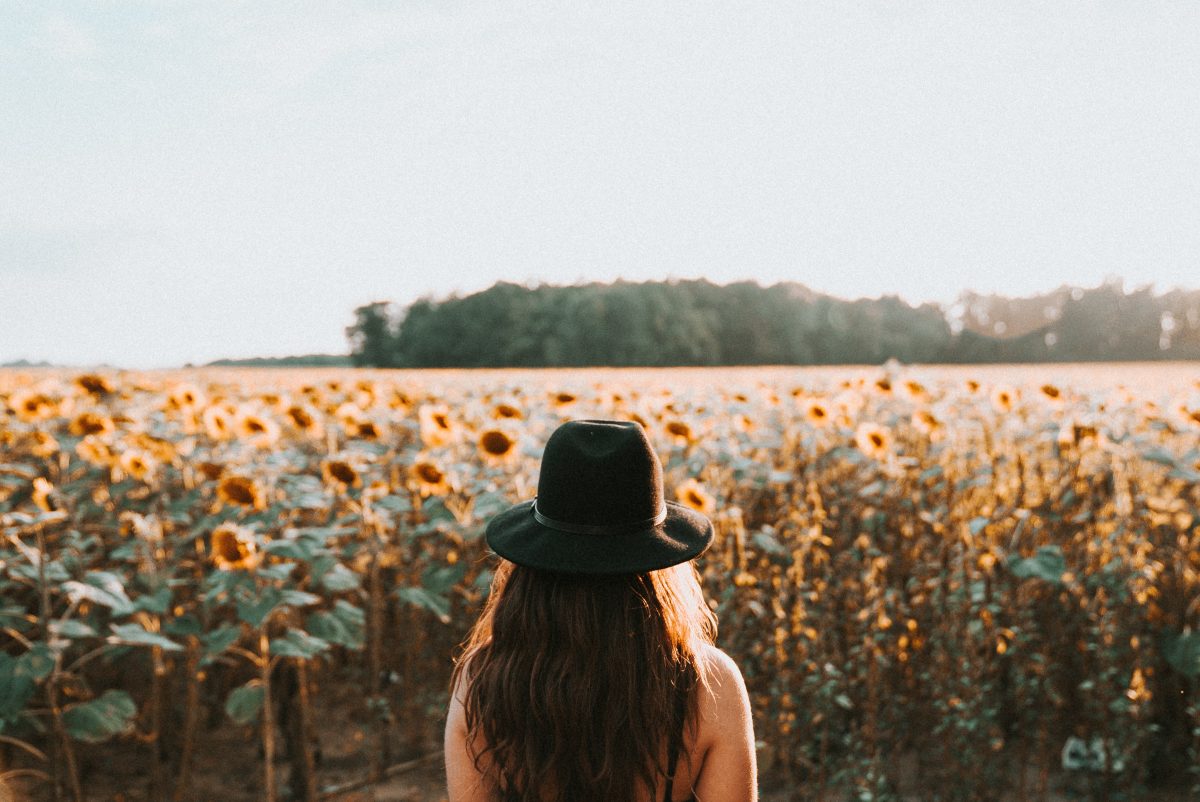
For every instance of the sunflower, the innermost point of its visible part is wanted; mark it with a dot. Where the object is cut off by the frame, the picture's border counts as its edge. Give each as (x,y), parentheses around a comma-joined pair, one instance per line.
(873,440)
(256,429)
(503,411)
(680,432)
(340,474)
(816,412)
(234,548)
(42,444)
(496,446)
(429,479)
(437,428)
(1004,399)
(93,384)
(883,386)
(218,422)
(563,399)
(1188,414)
(915,390)
(691,493)
(972,386)
(184,397)
(94,451)
(1051,393)
(925,421)
(31,406)
(89,422)
(400,401)
(42,489)
(306,419)
(137,464)
(160,448)
(210,470)
(363,430)
(242,491)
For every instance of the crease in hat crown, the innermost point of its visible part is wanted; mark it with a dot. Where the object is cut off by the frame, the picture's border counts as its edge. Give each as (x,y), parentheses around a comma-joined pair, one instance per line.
(600,507)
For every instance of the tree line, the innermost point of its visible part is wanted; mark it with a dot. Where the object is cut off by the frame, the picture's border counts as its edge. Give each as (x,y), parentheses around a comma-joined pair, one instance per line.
(697,322)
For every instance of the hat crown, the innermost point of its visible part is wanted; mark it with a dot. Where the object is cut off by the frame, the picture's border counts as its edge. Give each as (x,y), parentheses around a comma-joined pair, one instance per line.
(598,473)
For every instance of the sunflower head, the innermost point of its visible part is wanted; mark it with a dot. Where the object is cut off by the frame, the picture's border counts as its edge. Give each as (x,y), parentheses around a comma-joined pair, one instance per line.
(428,478)
(241,491)
(680,432)
(1004,399)
(504,411)
(94,451)
(234,548)
(93,384)
(496,446)
(691,493)
(137,463)
(340,474)
(89,422)
(873,440)
(816,412)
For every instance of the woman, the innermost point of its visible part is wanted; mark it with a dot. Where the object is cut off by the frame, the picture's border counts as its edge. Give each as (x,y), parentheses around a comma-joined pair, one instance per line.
(591,673)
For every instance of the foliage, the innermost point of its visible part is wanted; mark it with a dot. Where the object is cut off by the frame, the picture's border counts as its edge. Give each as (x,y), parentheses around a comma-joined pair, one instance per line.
(905,563)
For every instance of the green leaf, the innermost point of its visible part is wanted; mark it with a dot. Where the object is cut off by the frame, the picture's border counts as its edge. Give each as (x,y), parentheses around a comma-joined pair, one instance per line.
(255,610)
(37,663)
(344,625)
(218,641)
(245,702)
(72,629)
(135,634)
(16,689)
(298,643)
(1160,456)
(157,602)
(439,579)
(339,578)
(766,540)
(976,525)
(421,597)
(102,718)
(1183,653)
(291,549)
(103,588)
(298,598)
(1047,564)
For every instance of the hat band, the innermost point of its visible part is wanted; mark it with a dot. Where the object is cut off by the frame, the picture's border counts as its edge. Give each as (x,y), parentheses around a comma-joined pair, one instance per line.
(598,529)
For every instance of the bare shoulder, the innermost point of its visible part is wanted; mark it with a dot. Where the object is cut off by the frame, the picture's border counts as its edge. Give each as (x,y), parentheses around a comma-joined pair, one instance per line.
(725,703)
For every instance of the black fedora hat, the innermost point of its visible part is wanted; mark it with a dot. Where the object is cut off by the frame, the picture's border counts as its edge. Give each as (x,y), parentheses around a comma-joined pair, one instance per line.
(599,507)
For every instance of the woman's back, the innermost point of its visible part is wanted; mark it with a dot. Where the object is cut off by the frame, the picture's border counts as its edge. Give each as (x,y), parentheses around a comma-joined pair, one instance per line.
(716,757)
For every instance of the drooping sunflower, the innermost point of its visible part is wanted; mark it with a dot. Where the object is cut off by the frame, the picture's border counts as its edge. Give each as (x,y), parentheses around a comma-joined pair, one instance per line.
(242,491)
(692,494)
(234,548)
(873,440)
(428,478)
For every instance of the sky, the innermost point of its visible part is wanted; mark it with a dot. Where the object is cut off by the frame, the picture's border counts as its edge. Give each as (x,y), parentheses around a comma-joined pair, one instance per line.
(186,181)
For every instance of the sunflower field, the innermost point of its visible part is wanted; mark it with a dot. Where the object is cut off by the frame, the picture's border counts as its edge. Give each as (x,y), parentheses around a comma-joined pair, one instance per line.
(949,584)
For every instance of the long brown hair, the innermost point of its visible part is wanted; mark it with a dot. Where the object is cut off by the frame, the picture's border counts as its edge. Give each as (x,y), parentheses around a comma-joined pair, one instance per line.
(571,681)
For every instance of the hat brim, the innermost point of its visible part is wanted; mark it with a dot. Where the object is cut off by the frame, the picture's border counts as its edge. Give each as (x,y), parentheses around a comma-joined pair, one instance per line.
(516,536)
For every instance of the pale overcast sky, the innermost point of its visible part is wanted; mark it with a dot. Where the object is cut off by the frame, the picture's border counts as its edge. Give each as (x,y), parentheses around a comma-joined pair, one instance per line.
(188,180)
